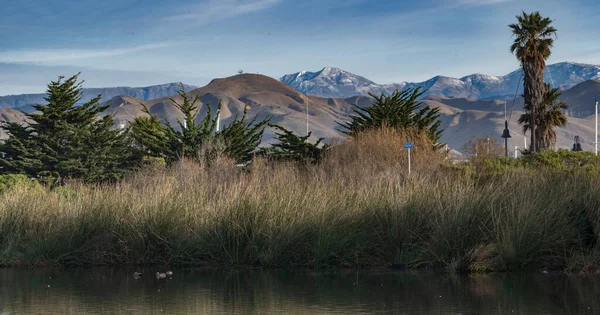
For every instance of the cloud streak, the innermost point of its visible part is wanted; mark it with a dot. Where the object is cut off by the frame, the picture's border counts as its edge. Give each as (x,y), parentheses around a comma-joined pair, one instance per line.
(481,2)
(53,56)
(222,9)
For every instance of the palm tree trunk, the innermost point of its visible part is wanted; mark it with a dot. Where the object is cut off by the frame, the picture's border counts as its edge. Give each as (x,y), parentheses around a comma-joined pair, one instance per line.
(534,89)
(528,87)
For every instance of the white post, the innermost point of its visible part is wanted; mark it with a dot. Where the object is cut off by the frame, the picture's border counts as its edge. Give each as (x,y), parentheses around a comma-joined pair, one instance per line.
(408,161)
(218,121)
(307,117)
(516,151)
(596,138)
(525,139)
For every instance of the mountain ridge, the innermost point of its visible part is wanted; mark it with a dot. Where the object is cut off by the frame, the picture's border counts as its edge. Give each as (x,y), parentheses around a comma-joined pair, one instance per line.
(478,85)
(144,93)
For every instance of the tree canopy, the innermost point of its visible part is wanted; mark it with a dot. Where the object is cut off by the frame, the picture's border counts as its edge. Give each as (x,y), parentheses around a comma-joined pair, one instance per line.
(400,110)
(63,140)
(549,116)
(239,139)
(291,147)
(533,41)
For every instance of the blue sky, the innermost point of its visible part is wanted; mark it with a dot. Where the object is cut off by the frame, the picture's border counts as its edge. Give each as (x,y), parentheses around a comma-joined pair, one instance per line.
(145,42)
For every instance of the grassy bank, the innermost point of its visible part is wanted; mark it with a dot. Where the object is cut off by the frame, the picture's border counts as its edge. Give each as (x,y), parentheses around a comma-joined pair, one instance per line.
(357,208)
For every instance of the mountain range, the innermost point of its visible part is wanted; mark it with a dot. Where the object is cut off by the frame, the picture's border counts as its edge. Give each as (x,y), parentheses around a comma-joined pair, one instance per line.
(24,101)
(462,117)
(334,82)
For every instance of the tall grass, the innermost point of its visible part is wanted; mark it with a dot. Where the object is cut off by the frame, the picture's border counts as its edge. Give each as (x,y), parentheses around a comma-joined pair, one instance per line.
(357,208)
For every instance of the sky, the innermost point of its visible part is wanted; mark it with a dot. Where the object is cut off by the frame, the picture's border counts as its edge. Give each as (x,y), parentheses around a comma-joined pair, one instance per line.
(147,42)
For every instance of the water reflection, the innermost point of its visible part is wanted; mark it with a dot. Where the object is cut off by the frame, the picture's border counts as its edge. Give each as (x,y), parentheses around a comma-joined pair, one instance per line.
(103,290)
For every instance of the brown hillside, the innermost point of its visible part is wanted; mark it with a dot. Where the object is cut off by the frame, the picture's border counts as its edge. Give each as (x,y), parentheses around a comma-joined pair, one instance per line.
(580,98)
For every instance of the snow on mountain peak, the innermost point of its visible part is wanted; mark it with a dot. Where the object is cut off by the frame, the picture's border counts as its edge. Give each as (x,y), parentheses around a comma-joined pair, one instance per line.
(335,82)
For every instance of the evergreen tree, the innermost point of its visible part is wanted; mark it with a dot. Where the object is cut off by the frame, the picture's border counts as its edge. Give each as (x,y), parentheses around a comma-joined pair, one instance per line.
(163,140)
(240,138)
(291,147)
(399,110)
(65,141)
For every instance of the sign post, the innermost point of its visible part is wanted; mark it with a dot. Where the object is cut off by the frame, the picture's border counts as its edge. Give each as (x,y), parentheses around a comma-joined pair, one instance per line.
(408,145)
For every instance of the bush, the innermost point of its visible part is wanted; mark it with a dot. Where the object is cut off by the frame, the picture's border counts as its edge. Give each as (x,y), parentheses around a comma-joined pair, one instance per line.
(10,181)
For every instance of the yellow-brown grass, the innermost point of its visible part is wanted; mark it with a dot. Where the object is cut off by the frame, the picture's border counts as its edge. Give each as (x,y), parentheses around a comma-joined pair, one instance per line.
(357,208)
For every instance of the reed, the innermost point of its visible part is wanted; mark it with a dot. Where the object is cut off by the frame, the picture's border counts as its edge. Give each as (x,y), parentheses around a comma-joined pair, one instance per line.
(355,209)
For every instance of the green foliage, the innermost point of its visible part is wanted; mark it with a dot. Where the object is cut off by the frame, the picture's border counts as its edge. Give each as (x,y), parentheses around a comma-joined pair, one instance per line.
(172,144)
(291,147)
(583,162)
(533,36)
(241,138)
(9,181)
(549,116)
(400,110)
(66,141)
(533,40)
(162,140)
(563,160)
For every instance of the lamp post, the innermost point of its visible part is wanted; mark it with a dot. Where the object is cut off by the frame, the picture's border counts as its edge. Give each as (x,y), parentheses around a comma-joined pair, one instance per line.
(505,133)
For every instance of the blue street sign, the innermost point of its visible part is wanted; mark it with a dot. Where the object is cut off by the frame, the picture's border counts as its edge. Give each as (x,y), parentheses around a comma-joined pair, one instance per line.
(408,145)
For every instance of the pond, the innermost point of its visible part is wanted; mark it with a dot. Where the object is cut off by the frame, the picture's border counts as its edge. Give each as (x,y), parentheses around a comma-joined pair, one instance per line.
(234,291)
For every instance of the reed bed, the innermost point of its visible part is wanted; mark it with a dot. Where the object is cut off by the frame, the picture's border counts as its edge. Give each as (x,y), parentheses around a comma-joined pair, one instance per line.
(358,208)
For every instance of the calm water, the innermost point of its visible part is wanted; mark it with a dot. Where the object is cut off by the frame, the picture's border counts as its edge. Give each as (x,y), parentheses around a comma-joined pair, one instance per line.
(199,291)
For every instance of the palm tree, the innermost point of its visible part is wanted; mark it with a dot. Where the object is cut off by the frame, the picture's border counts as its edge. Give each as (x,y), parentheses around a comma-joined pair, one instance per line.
(532,46)
(549,115)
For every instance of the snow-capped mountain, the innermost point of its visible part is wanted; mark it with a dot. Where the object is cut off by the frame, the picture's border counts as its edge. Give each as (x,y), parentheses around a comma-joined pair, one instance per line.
(334,82)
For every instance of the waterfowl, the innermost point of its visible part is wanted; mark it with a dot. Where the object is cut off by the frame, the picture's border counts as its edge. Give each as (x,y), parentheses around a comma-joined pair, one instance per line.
(160,275)
(137,275)
(169,273)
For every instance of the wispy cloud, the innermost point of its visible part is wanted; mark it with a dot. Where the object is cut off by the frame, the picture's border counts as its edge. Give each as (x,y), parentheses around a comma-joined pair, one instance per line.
(481,2)
(52,56)
(221,9)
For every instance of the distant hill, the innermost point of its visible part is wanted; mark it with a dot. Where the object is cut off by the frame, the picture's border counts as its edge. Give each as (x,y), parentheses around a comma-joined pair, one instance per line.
(9,115)
(461,118)
(334,82)
(143,93)
(264,96)
(580,98)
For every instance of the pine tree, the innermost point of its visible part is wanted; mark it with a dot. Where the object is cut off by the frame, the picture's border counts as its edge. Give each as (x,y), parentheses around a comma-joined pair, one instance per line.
(65,141)
(240,138)
(398,110)
(165,141)
(291,147)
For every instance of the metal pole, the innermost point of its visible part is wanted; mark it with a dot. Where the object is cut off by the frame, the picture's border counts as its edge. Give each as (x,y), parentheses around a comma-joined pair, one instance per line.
(596,138)
(506,125)
(408,161)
